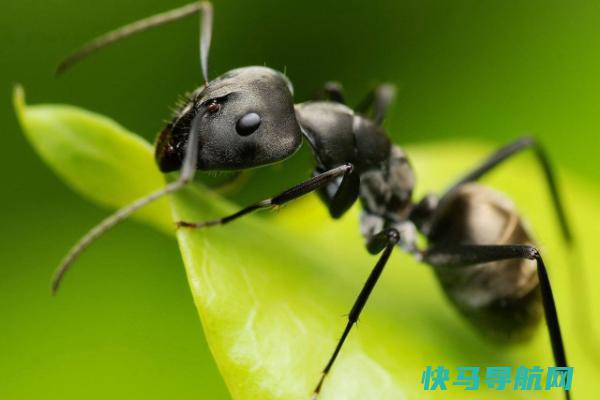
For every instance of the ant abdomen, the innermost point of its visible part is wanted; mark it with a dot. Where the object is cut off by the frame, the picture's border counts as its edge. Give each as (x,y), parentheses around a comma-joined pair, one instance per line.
(501,298)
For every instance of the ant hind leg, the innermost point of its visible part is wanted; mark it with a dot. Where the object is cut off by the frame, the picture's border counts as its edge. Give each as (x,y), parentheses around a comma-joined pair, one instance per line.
(467,255)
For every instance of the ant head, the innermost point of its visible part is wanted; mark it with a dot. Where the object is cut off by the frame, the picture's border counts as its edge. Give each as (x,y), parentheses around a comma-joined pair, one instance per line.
(246,119)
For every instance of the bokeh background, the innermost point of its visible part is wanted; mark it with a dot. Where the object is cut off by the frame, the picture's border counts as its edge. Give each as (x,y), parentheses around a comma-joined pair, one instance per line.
(125,326)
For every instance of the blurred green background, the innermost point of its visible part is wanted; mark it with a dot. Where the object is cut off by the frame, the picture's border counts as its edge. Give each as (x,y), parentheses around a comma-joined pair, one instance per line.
(125,326)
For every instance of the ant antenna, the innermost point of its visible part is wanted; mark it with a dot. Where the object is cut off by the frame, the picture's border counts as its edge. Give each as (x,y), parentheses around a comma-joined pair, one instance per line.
(206,23)
(187,172)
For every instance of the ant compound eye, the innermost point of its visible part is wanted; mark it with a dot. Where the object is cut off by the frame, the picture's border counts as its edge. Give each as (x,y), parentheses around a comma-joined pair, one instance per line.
(248,124)
(213,107)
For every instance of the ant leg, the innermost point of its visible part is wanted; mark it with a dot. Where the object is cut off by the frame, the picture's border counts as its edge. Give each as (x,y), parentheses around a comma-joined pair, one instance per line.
(186,175)
(465,255)
(379,100)
(340,196)
(333,91)
(204,7)
(294,192)
(384,240)
(506,152)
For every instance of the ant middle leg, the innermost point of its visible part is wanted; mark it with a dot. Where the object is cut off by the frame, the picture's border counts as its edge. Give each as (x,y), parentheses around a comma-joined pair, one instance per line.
(383,241)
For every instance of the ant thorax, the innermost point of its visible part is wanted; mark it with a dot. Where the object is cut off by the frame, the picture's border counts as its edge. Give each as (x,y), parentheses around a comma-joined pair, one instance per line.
(385,194)
(386,191)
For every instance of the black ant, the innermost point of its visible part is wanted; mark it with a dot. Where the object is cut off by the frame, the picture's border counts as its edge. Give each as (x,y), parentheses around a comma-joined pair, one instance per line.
(479,248)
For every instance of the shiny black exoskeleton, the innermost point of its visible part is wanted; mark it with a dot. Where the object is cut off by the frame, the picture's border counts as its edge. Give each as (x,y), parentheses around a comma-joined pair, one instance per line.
(478,246)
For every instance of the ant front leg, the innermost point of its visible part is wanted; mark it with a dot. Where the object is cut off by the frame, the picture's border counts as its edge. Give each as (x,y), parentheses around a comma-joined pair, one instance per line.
(294,192)
(469,255)
(377,100)
(383,241)
(338,195)
(332,91)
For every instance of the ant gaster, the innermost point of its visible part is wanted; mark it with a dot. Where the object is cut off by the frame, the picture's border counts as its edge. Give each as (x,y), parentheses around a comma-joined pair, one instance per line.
(478,245)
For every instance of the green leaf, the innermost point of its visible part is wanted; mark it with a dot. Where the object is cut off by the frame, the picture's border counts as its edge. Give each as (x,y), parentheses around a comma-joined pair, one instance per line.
(272,289)
(95,156)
